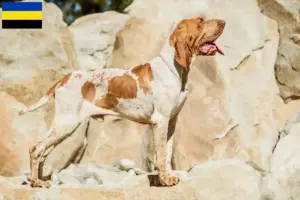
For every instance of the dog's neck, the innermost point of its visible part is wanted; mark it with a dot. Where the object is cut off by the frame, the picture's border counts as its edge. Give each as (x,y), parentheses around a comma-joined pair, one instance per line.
(167,54)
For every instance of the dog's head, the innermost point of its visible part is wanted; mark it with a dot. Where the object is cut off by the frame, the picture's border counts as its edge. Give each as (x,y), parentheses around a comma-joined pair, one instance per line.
(196,36)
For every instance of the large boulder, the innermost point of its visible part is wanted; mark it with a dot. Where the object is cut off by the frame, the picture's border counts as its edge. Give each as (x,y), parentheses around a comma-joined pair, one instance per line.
(114,138)
(286,14)
(17,134)
(94,37)
(232,108)
(282,182)
(131,41)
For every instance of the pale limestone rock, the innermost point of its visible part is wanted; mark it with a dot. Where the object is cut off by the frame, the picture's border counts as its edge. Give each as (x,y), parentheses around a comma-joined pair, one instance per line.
(286,111)
(114,138)
(94,37)
(131,41)
(286,13)
(17,134)
(282,182)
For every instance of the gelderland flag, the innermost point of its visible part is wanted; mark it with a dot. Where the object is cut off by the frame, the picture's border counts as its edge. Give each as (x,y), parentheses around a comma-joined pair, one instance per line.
(22,15)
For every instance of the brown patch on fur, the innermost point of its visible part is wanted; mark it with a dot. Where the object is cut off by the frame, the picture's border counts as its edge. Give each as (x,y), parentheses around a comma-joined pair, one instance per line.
(118,87)
(107,102)
(88,91)
(122,87)
(145,76)
(61,82)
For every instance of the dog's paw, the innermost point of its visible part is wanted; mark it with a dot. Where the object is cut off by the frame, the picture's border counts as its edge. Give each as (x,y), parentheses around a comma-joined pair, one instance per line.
(169,180)
(40,183)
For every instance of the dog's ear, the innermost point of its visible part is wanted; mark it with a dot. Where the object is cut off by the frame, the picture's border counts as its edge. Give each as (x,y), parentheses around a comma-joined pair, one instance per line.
(178,41)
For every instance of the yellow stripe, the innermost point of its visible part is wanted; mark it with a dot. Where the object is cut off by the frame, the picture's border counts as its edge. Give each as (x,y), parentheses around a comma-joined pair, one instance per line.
(22,15)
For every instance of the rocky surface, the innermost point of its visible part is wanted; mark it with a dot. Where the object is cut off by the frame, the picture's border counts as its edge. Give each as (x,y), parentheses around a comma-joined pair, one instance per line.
(224,179)
(113,138)
(282,183)
(286,14)
(94,37)
(17,134)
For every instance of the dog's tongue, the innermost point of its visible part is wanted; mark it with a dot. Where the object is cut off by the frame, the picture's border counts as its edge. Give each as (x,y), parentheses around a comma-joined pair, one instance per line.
(208,47)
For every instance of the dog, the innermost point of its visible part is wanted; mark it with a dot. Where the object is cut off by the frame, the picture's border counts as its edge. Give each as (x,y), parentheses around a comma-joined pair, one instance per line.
(151,93)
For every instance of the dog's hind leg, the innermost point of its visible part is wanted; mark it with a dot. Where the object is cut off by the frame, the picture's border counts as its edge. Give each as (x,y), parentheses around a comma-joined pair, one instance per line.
(39,151)
(67,107)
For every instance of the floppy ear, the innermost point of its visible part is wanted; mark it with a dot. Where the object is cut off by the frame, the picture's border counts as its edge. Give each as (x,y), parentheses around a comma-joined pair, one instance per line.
(178,41)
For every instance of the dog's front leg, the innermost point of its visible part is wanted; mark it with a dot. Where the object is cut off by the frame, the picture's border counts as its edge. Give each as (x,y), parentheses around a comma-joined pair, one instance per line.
(160,131)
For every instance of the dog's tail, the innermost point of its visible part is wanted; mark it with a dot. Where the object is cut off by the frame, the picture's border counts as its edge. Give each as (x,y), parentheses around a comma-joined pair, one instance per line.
(47,96)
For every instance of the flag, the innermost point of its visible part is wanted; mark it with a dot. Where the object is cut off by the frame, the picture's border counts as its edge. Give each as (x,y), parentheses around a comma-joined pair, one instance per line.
(22,15)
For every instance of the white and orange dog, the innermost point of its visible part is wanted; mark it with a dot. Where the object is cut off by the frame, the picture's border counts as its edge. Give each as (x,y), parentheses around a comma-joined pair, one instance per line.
(151,93)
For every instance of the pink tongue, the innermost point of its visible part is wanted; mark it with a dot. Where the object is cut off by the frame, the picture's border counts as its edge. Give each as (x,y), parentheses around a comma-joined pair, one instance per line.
(209,46)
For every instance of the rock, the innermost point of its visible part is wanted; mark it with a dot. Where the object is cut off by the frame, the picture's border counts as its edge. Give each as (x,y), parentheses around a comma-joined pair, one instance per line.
(132,172)
(90,175)
(33,60)
(282,183)
(125,164)
(286,14)
(91,182)
(223,117)
(94,37)
(226,180)
(286,111)
(114,138)
(17,134)
(291,122)
(131,41)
